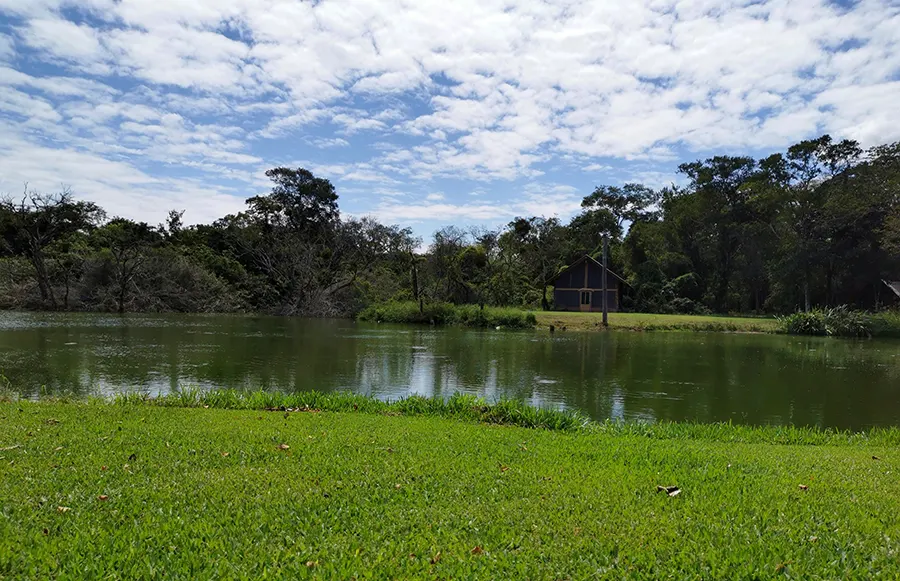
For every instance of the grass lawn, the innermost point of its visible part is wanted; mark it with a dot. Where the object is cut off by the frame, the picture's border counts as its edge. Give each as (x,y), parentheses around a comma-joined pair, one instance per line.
(91,490)
(651,322)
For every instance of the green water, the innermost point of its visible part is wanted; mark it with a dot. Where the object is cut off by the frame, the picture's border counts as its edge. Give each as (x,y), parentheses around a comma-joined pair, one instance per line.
(752,379)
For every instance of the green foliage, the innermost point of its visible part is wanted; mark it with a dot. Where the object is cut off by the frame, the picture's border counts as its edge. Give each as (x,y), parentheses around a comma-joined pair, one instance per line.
(250,494)
(841,322)
(448,314)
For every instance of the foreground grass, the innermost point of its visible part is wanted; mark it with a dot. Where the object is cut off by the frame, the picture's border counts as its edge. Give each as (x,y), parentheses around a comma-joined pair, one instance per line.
(149,491)
(652,322)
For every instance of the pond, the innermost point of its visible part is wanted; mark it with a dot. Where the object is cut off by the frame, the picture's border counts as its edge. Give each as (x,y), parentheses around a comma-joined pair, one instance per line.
(748,379)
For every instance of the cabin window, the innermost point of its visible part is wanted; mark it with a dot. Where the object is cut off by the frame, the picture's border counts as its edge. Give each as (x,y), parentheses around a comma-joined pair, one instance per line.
(585,297)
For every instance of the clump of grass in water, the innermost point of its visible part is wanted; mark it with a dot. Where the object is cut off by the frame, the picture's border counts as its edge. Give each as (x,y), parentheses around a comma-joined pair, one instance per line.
(448,314)
(468,407)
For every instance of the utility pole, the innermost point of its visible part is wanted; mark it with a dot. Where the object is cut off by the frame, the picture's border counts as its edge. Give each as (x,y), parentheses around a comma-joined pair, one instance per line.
(605,269)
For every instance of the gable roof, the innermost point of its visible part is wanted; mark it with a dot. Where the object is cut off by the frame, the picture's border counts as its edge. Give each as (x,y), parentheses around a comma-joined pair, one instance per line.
(894,286)
(581,261)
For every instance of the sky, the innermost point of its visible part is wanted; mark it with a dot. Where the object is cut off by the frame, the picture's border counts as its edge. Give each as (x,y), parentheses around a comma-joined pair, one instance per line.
(424,113)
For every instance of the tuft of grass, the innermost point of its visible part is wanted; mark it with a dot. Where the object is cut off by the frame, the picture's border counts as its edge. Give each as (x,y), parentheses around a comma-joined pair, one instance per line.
(470,408)
(147,489)
(459,406)
(448,314)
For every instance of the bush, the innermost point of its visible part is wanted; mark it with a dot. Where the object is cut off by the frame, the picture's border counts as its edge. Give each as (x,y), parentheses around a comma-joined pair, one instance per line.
(448,314)
(830,322)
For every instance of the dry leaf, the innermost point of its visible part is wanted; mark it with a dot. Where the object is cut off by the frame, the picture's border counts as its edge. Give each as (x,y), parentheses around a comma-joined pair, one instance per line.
(311,563)
(397,486)
(102,497)
(477,550)
(675,492)
(103,468)
(804,487)
(670,490)
(813,539)
(284,447)
(46,532)
(132,457)
(63,509)
(504,468)
(57,449)
(875,458)
(224,454)
(436,558)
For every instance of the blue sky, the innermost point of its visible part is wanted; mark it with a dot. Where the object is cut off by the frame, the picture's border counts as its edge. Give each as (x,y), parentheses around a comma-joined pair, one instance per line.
(424,112)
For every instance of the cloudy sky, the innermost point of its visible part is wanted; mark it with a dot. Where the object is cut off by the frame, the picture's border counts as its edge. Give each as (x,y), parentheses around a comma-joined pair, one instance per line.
(424,112)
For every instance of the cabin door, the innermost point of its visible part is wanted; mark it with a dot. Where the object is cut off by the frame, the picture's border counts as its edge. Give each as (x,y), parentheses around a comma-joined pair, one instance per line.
(585,301)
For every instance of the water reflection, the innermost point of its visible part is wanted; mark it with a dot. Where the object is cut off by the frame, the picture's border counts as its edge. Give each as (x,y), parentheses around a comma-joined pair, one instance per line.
(754,379)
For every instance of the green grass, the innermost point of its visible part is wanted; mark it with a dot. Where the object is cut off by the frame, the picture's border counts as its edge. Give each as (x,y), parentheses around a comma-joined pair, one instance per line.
(448,314)
(211,493)
(653,322)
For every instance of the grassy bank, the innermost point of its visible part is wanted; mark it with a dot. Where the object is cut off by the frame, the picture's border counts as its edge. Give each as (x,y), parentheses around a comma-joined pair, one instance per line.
(653,322)
(151,490)
(448,314)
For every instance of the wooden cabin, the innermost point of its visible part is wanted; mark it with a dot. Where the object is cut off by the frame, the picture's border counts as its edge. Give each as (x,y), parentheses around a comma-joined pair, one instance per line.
(580,287)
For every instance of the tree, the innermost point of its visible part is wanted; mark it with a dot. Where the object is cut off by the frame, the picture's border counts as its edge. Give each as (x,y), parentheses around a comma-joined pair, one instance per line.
(38,220)
(629,203)
(125,244)
(719,185)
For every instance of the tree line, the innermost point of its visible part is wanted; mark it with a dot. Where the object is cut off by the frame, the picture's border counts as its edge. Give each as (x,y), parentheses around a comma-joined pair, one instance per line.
(817,225)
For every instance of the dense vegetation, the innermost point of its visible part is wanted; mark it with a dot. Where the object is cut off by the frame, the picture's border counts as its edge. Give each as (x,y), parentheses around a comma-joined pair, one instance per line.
(815,226)
(448,314)
(139,491)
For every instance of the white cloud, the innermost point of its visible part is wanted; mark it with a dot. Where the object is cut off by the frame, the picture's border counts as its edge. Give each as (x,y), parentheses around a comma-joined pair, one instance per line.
(7,47)
(467,90)
(548,200)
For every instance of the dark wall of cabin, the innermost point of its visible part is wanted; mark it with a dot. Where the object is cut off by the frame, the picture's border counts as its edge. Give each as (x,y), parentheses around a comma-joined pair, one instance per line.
(570,300)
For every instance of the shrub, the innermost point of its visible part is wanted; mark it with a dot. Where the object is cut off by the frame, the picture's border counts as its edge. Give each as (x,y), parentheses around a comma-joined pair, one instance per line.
(447,314)
(831,322)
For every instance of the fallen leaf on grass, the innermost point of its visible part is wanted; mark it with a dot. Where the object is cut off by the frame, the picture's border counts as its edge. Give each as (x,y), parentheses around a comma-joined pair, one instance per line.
(132,458)
(436,559)
(102,497)
(103,468)
(804,487)
(46,532)
(57,449)
(670,490)
(397,486)
(875,458)
(813,539)
(51,421)
(284,447)
(224,454)
(504,468)
(311,564)
(63,509)
(477,550)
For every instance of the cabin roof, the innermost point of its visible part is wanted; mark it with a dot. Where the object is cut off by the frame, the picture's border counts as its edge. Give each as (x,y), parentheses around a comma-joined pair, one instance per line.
(894,286)
(581,261)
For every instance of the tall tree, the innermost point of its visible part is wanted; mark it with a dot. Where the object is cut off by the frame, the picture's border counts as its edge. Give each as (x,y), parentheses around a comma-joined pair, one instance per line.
(38,220)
